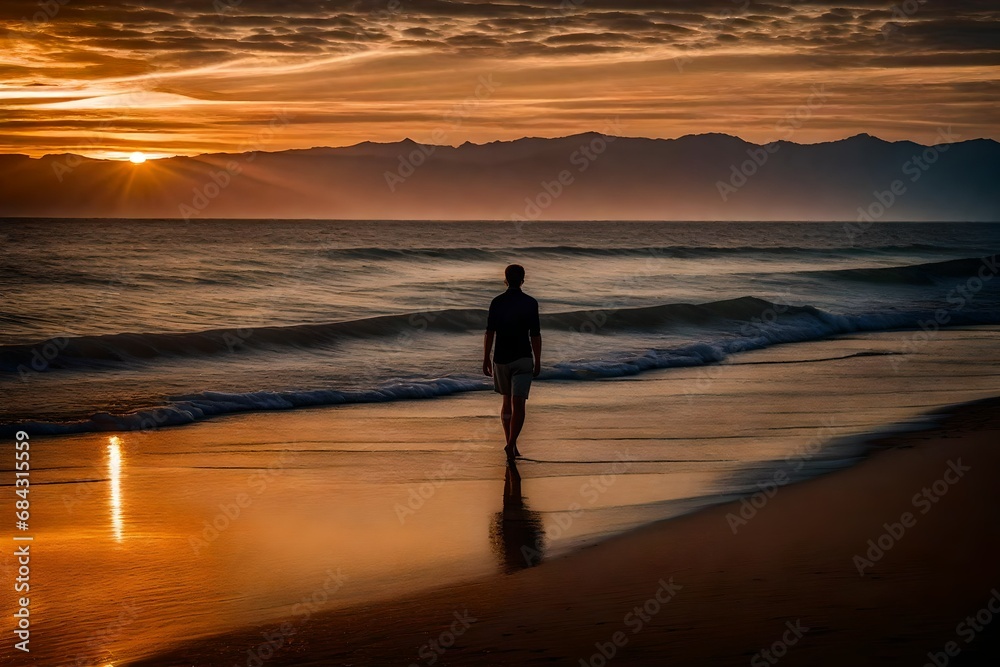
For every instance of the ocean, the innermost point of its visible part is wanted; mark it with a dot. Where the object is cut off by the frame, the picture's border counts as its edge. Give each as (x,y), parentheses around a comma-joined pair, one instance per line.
(154,524)
(112,325)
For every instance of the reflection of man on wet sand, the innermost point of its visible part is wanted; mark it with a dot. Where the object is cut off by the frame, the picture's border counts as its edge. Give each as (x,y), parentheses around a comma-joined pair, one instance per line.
(516,532)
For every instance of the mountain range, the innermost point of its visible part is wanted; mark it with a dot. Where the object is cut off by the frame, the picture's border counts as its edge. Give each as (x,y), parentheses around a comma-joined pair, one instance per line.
(581,177)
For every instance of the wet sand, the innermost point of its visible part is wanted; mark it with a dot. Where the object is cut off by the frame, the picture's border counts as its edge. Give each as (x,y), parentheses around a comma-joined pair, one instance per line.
(690,591)
(367,527)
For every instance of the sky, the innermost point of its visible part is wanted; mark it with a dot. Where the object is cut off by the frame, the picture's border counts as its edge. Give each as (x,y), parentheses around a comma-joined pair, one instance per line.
(184,77)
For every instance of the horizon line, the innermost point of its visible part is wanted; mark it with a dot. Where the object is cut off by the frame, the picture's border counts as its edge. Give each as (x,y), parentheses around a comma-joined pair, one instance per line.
(498,220)
(408,140)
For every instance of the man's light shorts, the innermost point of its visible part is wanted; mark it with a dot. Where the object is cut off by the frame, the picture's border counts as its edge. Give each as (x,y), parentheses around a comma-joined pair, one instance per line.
(514,379)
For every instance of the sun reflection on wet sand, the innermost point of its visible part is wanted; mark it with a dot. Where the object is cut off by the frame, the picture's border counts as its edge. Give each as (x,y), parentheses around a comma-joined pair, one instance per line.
(115,472)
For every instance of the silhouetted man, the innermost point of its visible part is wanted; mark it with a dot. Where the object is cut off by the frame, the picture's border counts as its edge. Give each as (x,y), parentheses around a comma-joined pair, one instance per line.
(513,323)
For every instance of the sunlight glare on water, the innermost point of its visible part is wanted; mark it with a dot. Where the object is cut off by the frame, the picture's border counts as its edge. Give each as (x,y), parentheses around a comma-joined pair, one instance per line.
(115,473)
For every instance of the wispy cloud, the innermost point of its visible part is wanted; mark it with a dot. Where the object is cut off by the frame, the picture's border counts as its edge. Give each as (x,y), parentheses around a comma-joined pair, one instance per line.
(192,75)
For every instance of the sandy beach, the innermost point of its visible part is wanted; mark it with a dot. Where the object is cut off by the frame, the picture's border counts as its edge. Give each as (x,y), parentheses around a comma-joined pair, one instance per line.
(487,333)
(786,587)
(366,528)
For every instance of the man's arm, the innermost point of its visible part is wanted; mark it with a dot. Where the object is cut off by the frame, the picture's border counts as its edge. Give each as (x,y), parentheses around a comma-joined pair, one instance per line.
(487,348)
(536,347)
(491,330)
(535,332)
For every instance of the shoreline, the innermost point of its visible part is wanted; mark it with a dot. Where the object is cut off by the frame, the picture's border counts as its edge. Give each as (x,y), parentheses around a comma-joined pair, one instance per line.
(200,409)
(730,595)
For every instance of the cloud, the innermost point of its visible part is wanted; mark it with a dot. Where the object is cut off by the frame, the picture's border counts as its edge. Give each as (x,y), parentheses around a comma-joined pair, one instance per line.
(392,68)
(266,28)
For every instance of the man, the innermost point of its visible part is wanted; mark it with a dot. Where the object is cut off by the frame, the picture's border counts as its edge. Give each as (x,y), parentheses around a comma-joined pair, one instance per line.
(513,322)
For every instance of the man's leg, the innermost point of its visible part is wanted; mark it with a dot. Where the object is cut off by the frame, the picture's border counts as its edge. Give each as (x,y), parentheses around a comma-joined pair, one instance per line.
(505,415)
(517,404)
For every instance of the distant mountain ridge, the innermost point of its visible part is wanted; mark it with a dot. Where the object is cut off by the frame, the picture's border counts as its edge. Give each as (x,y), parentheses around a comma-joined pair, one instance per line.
(588,176)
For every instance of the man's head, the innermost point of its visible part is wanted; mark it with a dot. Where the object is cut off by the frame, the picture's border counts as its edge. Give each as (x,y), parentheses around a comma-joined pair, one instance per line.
(514,275)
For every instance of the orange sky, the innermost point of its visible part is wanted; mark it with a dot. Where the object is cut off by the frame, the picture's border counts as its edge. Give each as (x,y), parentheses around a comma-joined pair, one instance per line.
(181,77)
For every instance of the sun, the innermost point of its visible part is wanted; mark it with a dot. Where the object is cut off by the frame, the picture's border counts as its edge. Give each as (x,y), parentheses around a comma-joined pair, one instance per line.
(137,157)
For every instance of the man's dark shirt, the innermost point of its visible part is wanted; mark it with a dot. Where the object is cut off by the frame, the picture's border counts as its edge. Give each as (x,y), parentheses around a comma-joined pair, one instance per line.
(514,317)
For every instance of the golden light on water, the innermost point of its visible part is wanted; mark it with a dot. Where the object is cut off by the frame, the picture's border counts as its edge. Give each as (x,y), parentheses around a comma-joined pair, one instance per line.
(137,157)
(115,472)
